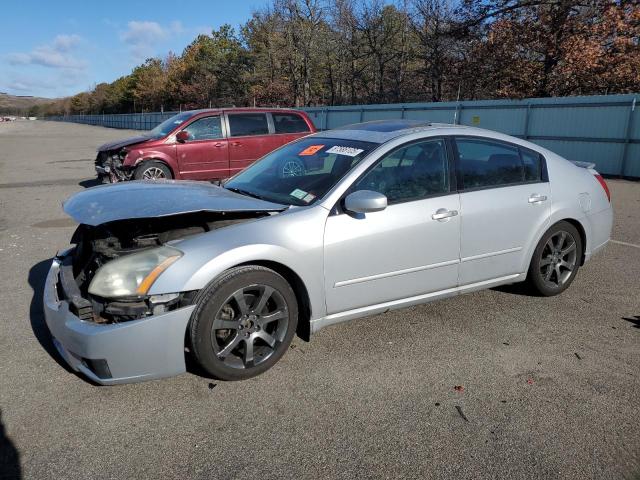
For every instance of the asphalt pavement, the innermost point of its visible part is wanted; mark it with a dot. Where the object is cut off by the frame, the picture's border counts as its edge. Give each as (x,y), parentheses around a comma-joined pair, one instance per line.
(494,384)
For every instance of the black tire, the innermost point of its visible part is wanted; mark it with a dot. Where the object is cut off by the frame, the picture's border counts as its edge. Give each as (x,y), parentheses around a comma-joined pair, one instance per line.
(152,170)
(219,320)
(556,260)
(291,167)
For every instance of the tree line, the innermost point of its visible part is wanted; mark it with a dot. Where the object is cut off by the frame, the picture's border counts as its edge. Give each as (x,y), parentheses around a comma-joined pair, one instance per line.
(331,52)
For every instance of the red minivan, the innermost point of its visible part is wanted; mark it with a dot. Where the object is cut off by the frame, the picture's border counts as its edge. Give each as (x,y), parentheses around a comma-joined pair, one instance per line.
(203,145)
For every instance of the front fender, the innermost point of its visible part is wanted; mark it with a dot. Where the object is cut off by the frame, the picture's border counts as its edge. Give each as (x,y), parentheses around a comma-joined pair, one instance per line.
(136,157)
(292,239)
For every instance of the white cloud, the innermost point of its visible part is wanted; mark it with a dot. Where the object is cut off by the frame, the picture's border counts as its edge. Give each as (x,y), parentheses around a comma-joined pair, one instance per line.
(58,54)
(143,36)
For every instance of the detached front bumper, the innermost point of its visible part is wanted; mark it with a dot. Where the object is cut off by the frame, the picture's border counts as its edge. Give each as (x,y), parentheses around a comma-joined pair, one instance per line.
(126,352)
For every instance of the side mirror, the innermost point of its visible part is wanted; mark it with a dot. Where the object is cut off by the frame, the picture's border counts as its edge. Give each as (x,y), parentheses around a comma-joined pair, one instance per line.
(182,136)
(365,201)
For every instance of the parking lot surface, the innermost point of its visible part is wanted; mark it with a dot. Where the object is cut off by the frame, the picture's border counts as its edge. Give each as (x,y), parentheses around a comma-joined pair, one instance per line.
(494,384)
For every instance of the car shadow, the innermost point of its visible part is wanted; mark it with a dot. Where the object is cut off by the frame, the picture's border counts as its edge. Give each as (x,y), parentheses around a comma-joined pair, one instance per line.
(635,320)
(90,182)
(37,277)
(9,456)
(520,288)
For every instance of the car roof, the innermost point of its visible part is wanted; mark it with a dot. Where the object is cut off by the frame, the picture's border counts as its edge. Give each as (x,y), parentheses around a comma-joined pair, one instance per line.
(381,131)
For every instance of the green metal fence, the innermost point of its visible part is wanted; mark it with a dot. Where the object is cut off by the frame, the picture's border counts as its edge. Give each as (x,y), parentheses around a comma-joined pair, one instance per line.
(600,129)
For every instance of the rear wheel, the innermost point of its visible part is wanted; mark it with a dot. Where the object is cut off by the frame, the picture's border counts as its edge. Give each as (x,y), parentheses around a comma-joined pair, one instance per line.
(243,323)
(152,170)
(556,260)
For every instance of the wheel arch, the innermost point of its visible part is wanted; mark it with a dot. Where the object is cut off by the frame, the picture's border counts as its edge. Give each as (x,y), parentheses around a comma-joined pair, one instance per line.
(300,290)
(581,231)
(156,159)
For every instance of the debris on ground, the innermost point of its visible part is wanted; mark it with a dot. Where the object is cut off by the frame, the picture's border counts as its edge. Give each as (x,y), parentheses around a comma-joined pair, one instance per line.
(212,386)
(461,413)
(577,356)
(458,388)
(530,381)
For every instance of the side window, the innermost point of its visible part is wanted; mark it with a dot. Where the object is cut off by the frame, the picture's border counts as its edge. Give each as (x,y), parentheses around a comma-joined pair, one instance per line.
(243,124)
(532,166)
(483,163)
(410,173)
(207,128)
(289,123)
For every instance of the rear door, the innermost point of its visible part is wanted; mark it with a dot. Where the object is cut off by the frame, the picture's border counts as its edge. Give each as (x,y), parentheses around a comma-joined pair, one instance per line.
(505,199)
(249,138)
(205,155)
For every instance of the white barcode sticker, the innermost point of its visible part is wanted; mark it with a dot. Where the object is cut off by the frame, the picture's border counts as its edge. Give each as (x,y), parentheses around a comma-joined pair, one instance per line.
(348,151)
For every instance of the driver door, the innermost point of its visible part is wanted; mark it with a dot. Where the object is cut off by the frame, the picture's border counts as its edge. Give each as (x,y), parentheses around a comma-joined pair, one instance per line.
(205,155)
(402,251)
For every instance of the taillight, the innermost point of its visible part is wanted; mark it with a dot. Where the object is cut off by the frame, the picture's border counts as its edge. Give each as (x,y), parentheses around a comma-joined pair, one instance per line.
(604,185)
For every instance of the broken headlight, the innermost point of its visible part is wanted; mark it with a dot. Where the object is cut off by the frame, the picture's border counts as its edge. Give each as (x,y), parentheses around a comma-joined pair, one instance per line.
(132,275)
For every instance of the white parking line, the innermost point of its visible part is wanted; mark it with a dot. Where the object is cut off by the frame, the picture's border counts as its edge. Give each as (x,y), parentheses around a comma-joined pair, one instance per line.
(625,243)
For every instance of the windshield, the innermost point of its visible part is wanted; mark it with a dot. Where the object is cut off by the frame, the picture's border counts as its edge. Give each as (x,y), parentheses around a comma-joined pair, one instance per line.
(302,172)
(168,125)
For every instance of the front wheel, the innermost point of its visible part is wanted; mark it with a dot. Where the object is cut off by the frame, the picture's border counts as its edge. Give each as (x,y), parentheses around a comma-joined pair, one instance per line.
(152,170)
(556,260)
(243,323)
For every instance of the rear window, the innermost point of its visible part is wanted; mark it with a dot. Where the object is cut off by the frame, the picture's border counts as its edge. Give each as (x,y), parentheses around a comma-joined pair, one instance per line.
(243,124)
(289,123)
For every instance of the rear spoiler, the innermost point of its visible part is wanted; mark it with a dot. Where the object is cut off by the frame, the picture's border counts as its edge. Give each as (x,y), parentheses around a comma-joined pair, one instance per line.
(587,165)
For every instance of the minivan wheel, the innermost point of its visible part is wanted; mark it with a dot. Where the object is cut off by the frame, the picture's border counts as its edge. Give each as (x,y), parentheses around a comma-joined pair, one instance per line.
(243,323)
(152,170)
(556,260)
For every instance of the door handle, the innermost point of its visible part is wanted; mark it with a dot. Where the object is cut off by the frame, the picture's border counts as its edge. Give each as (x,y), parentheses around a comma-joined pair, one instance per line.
(236,144)
(443,214)
(535,198)
(218,145)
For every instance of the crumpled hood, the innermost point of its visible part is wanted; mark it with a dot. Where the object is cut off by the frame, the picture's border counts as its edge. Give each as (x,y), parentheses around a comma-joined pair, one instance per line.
(145,199)
(122,143)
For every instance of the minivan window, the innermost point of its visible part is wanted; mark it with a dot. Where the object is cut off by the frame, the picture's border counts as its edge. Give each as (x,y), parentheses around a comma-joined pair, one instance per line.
(244,124)
(207,128)
(166,127)
(289,123)
(483,163)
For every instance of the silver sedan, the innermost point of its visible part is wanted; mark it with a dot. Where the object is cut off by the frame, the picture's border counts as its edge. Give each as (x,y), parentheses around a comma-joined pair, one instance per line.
(371,217)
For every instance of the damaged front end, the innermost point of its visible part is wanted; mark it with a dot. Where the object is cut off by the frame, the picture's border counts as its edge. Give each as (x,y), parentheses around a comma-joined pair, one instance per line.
(110,166)
(97,246)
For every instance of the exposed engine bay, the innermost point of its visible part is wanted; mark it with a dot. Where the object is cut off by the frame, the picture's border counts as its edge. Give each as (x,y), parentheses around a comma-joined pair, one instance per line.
(98,245)
(110,166)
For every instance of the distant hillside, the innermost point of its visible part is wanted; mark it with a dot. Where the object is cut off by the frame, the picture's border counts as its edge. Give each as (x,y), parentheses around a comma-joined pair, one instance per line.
(18,105)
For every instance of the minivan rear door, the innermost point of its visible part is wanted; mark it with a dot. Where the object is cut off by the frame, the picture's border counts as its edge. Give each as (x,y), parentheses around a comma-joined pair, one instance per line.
(249,138)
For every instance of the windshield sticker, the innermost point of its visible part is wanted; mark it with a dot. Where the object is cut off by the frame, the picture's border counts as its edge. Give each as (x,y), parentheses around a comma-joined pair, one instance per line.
(299,194)
(348,151)
(311,150)
(308,198)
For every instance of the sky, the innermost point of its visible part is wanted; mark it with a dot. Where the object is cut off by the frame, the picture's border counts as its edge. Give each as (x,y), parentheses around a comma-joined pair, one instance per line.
(59,48)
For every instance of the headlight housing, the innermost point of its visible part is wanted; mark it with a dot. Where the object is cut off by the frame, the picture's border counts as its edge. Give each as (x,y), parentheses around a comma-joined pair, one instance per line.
(132,275)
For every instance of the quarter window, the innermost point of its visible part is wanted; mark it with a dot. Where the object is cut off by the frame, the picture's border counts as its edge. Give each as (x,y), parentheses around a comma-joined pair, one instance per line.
(289,123)
(410,173)
(207,128)
(532,166)
(485,163)
(245,124)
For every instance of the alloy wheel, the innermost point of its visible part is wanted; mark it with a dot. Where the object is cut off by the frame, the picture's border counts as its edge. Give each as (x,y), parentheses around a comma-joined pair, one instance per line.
(249,326)
(153,173)
(558,259)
